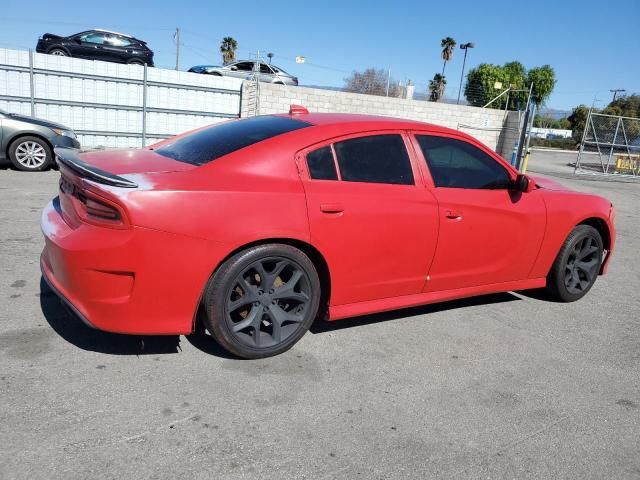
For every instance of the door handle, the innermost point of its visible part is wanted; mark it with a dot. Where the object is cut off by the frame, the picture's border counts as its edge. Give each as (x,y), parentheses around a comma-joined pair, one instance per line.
(331,208)
(452,215)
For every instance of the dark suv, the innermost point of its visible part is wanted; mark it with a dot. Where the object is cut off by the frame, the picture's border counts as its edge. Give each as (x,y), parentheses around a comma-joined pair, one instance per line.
(97,45)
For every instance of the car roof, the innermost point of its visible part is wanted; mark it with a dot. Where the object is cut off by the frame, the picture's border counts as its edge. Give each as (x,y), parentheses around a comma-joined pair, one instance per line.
(357,121)
(111,31)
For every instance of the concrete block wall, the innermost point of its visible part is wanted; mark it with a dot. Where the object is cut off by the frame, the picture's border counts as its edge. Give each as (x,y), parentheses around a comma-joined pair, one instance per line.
(512,132)
(487,125)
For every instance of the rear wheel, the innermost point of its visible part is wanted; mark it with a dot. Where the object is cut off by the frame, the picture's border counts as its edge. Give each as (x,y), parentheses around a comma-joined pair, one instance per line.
(30,154)
(58,52)
(135,61)
(577,265)
(261,301)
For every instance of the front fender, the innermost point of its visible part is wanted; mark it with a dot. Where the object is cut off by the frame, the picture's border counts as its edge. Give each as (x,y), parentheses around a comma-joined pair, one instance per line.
(565,210)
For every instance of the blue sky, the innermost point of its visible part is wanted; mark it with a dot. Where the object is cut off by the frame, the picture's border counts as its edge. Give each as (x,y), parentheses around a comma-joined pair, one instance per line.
(593,46)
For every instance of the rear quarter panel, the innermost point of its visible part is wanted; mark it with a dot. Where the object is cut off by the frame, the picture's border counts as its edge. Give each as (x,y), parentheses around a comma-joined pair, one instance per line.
(252,194)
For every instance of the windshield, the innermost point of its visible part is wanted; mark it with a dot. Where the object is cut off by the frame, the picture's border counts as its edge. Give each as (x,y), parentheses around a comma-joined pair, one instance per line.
(218,140)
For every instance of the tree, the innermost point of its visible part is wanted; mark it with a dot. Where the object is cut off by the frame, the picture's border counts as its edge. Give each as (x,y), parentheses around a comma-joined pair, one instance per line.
(436,87)
(447,44)
(626,106)
(228,48)
(543,80)
(547,121)
(372,82)
(578,119)
(515,76)
(480,88)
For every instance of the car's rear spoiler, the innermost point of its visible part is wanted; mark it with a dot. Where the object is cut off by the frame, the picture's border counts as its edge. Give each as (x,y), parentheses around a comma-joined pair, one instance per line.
(69,158)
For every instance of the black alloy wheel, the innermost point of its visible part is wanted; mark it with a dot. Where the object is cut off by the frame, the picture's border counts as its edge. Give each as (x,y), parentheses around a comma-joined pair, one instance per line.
(582,265)
(577,265)
(262,301)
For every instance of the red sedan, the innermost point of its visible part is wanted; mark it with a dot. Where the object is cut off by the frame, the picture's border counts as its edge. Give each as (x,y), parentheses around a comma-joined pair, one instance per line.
(270,222)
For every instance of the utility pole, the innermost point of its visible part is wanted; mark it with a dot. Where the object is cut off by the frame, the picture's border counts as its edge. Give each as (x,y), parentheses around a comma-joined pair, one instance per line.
(388,79)
(615,92)
(465,47)
(177,37)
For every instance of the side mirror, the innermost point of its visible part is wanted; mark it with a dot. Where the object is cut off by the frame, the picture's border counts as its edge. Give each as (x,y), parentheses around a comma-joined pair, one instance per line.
(78,41)
(233,67)
(524,183)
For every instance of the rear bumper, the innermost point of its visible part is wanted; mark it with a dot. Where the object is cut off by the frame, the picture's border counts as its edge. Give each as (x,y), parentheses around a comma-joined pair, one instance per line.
(55,286)
(41,46)
(133,281)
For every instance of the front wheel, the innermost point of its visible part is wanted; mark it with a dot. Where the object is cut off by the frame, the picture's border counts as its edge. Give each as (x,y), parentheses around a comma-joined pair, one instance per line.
(261,301)
(30,154)
(577,265)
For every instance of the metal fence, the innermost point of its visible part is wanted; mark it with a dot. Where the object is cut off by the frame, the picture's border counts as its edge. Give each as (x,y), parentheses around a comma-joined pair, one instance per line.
(610,146)
(113,105)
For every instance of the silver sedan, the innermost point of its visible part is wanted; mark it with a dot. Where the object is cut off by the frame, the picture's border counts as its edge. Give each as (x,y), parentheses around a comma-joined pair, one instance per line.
(28,142)
(245,69)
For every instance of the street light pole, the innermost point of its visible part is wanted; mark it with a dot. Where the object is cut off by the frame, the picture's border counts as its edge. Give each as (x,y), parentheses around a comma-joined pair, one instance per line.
(465,47)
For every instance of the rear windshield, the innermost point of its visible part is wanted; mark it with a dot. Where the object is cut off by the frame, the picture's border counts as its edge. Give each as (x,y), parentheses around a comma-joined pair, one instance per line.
(214,142)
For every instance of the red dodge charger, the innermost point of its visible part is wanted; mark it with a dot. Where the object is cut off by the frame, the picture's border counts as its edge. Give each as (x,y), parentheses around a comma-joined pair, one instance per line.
(270,222)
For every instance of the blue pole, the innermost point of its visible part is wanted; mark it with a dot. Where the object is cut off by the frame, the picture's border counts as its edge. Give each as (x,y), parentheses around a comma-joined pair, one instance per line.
(514,154)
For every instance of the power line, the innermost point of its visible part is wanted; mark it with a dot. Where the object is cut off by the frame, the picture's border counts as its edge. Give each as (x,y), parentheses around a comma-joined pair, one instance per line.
(78,24)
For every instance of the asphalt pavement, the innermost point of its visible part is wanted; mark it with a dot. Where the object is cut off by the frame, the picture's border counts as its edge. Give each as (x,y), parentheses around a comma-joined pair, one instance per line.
(501,386)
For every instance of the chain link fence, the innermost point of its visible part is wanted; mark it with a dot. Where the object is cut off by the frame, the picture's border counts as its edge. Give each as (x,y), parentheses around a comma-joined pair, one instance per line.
(610,146)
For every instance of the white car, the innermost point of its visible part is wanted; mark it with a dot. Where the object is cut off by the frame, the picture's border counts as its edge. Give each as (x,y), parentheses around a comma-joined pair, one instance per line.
(245,69)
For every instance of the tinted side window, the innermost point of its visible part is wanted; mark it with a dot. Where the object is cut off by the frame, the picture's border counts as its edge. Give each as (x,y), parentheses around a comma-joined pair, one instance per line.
(321,165)
(264,68)
(245,66)
(458,164)
(118,41)
(98,38)
(374,159)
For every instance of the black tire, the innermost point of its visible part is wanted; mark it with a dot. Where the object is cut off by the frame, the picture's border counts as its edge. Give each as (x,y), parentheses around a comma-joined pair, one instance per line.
(257,315)
(59,52)
(38,160)
(577,265)
(135,61)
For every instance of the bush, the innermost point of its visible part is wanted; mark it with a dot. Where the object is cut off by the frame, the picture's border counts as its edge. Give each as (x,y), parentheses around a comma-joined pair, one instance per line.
(561,143)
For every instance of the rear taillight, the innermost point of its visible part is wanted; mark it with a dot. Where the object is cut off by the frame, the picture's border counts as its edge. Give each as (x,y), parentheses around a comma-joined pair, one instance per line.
(92,207)
(96,209)
(101,211)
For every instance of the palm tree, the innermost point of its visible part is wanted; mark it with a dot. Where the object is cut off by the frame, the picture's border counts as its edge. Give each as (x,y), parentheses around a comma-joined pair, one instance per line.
(447,44)
(436,87)
(228,48)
